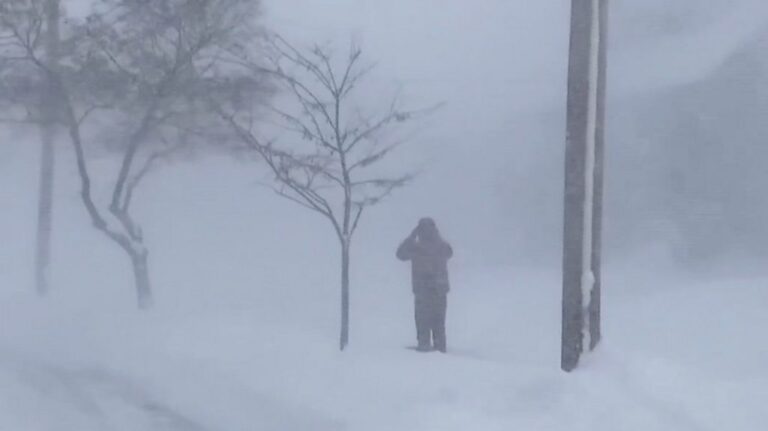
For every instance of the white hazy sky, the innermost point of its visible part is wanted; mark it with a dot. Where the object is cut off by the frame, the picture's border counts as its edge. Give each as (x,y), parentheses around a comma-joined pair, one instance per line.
(494,62)
(491,58)
(511,53)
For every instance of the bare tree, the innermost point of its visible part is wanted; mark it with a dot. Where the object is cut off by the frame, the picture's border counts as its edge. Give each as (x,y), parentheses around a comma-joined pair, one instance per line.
(143,68)
(328,166)
(168,51)
(36,22)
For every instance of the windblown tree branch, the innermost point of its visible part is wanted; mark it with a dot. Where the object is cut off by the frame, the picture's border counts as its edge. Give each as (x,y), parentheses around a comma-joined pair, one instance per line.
(142,67)
(163,54)
(327,164)
(22,63)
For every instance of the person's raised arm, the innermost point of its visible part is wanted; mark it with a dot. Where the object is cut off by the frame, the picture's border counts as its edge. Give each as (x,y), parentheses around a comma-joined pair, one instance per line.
(405,251)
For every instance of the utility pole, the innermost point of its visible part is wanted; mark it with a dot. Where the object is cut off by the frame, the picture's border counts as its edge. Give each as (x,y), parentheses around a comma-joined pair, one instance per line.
(48,109)
(584,180)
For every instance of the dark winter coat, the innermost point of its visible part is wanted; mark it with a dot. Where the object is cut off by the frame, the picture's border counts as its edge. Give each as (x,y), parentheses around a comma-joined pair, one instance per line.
(429,263)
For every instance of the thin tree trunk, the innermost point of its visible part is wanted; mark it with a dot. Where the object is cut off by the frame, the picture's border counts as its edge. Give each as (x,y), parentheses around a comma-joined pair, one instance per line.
(141,275)
(344,339)
(44,212)
(47,157)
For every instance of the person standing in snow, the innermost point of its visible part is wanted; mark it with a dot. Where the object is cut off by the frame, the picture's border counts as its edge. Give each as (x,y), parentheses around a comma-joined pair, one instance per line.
(429,255)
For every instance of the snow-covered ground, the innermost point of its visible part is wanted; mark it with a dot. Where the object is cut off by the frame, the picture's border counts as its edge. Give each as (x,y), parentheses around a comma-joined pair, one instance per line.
(684,357)
(243,336)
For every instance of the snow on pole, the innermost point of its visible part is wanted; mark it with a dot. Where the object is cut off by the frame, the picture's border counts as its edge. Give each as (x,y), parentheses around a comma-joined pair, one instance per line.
(583,181)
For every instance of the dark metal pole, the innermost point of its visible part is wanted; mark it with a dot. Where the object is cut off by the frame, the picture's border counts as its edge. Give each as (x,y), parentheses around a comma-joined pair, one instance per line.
(584,180)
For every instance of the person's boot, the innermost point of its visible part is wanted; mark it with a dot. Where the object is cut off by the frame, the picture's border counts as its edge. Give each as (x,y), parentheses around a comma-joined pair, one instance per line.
(423,348)
(440,347)
(439,340)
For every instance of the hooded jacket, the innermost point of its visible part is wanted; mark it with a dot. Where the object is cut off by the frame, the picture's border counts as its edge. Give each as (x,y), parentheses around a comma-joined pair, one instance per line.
(429,263)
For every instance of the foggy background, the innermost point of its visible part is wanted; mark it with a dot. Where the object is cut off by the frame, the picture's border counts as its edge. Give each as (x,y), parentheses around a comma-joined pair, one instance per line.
(685,122)
(684,165)
(685,146)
